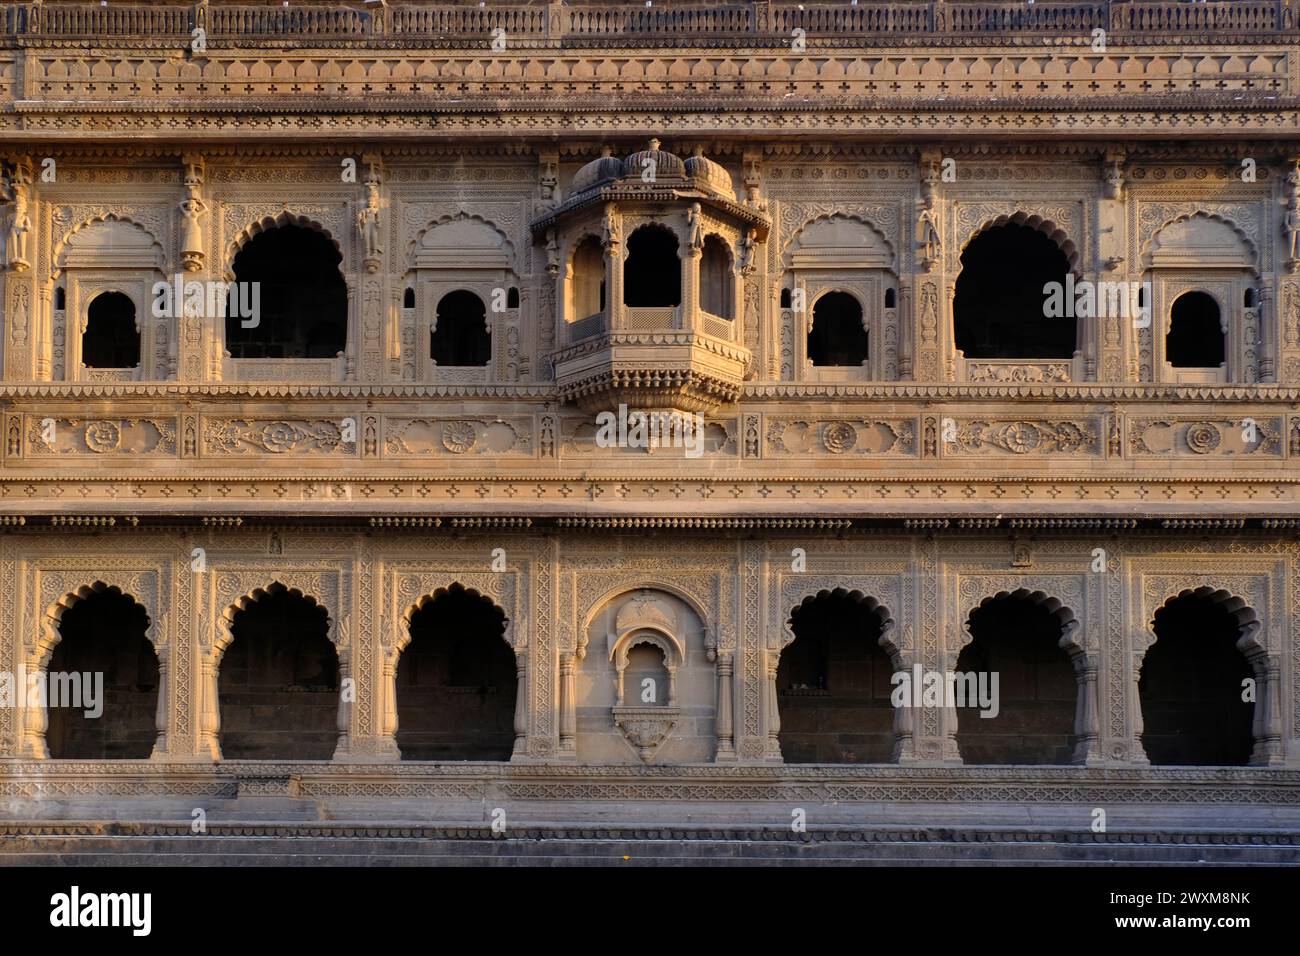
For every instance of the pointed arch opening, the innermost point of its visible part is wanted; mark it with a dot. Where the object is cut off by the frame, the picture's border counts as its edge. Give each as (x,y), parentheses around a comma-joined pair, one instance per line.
(1197,337)
(838,335)
(112,335)
(102,680)
(461,335)
(456,680)
(834,682)
(1019,639)
(279,679)
(301,296)
(1000,304)
(652,272)
(1193,680)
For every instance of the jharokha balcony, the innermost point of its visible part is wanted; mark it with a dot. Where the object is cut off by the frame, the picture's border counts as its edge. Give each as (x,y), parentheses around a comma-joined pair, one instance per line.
(648,257)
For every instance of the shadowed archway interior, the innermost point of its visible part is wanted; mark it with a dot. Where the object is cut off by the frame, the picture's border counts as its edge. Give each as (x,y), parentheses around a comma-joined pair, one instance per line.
(104,633)
(303,299)
(1018,640)
(999,303)
(279,680)
(1191,687)
(833,684)
(111,339)
(456,681)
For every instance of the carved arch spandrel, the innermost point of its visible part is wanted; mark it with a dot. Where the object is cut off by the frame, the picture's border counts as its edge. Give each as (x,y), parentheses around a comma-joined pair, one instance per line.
(595,591)
(971,220)
(888,639)
(43,644)
(411,588)
(790,590)
(336,629)
(285,217)
(1064,596)
(401,639)
(1241,595)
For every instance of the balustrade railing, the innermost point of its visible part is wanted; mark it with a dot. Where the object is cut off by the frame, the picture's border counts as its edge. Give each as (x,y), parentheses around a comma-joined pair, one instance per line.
(418,21)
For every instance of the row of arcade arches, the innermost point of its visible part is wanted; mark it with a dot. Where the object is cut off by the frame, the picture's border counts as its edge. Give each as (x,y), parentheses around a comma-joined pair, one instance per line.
(456,686)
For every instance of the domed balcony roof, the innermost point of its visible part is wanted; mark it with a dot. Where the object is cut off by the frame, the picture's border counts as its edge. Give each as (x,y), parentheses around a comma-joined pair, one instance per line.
(596,172)
(710,175)
(665,164)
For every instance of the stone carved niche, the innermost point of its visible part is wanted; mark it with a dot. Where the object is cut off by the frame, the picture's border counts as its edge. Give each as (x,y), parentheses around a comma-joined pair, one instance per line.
(647,628)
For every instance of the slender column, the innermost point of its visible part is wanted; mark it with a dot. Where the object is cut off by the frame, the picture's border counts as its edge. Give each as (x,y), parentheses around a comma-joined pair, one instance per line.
(726,741)
(1266,725)
(773,707)
(613,268)
(162,712)
(568,705)
(209,714)
(347,694)
(1087,747)
(906,330)
(521,702)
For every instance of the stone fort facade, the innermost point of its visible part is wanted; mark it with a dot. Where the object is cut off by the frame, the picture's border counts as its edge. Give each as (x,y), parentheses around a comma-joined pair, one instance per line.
(336,549)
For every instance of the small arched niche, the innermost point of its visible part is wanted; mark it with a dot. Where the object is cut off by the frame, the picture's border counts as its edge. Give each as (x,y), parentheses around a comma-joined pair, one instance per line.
(648,693)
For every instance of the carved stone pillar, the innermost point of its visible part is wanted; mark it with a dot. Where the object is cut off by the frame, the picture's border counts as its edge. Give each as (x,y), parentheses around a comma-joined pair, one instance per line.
(1266,725)
(163,709)
(1137,752)
(347,695)
(726,752)
(613,242)
(209,717)
(568,705)
(906,331)
(387,744)
(521,703)
(1087,748)
(772,706)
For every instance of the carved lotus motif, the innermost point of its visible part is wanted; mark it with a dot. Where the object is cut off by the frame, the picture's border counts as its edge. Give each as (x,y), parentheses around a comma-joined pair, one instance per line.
(103,436)
(839,437)
(458,437)
(1203,438)
(1020,437)
(278,436)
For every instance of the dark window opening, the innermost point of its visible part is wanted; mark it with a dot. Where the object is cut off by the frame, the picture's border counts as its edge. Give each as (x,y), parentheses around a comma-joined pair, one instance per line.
(652,274)
(1248,300)
(104,634)
(408,299)
(1191,687)
(716,287)
(837,336)
(278,684)
(834,685)
(460,335)
(889,298)
(456,682)
(303,299)
(1000,306)
(512,298)
(111,339)
(60,299)
(1017,640)
(785,298)
(1195,338)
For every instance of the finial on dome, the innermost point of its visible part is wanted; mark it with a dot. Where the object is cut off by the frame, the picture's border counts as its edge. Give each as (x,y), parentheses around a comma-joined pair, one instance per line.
(654,143)
(607,151)
(698,150)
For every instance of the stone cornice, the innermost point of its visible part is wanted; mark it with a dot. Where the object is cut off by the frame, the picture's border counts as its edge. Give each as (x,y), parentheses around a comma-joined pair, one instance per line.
(16,394)
(115,122)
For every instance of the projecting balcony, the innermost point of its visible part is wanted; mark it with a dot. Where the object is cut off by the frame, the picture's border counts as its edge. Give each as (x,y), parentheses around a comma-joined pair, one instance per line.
(651,357)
